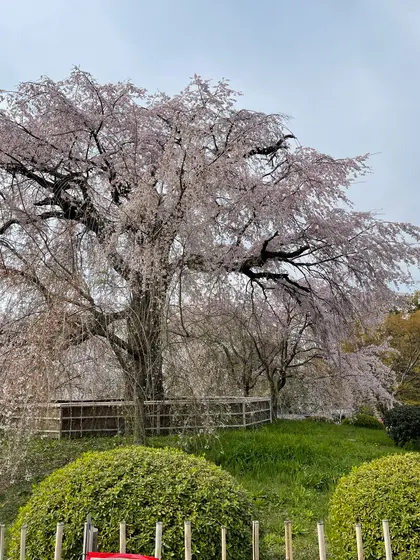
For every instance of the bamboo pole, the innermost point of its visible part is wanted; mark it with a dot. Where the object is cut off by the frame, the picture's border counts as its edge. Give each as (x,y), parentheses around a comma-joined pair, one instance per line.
(255,540)
(86,536)
(94,539)
(321,541)
(359,542)
(85,541)
(387,539)
(158,540)
(223,530)
(187,539)
(58,541)
(23,542)
(123,537)
(1,542)
(288,540)
(90,539)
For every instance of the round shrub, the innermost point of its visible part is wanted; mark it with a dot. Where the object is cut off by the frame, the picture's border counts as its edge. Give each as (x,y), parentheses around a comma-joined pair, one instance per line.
(321,419)
(387,488)
(140,486)
(364,421)
(403,424)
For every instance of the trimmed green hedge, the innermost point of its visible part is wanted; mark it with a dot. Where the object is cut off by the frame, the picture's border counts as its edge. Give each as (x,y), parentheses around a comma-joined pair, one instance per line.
(140,486)
(317,418)
(364,421)
(387,488)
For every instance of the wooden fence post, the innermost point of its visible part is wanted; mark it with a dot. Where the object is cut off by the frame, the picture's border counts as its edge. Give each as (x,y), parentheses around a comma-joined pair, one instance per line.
(60,420)
(23,542)
(158,540)
(1,542)
(255,540)
(58,541)
(123,537)
(359,542)
(94,541)
(90,539)
(288,540)
(244,414)
(86,536)
(223,529)
(158,420)
(187,539)
(321,541)
(387,540)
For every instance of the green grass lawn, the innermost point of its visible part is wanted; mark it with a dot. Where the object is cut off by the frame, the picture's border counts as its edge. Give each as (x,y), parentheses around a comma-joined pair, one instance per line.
(290,468)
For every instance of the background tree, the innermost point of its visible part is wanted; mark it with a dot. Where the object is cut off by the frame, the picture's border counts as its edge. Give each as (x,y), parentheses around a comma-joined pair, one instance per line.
(402,330)
(110,195)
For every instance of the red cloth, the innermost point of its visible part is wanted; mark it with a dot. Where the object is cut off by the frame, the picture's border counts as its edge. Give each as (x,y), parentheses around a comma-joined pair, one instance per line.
(93,555)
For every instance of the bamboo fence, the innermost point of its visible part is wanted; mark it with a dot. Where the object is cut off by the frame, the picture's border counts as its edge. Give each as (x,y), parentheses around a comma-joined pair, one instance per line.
(90,541)
(89,418)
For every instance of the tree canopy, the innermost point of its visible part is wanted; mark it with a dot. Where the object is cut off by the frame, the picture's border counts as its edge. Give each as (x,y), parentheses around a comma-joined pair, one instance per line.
(114,199)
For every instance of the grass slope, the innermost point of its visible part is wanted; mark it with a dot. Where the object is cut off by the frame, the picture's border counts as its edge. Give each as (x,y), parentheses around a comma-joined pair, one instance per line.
(290,468)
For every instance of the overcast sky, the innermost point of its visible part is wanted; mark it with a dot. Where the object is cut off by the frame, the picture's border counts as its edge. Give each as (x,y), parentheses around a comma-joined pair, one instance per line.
(346,71)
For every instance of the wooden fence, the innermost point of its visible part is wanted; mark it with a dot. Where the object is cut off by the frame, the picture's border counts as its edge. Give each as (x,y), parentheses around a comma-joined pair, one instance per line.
(88,418)
(90,541)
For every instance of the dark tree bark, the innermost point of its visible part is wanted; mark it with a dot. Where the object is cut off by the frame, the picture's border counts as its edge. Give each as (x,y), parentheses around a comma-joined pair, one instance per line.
(277,380)
(144,376)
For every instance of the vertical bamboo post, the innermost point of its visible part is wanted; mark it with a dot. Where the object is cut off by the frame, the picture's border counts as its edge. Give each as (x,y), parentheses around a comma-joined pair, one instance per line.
(85,541)
(58,541)
(387,540)
(158,540)
(288,540)
(1,542)
(187,539)
(90,539)
(255,540)
(23,542)
(86,536)
(224,556)
(359,542)
(321,541)
(94,547)
(123,537)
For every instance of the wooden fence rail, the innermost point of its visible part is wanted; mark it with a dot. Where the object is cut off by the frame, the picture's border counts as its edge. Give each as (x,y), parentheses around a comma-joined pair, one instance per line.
(89,418)
(90,541)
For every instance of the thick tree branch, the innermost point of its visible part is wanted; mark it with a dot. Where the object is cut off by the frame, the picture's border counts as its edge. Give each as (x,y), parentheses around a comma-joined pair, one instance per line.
(269,150)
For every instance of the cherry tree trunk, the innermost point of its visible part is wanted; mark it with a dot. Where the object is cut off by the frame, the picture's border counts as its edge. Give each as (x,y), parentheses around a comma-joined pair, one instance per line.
(144,377)
(276,385)
(274,396)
